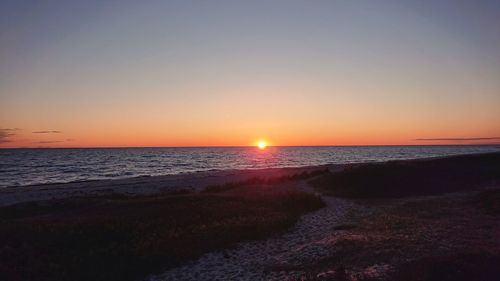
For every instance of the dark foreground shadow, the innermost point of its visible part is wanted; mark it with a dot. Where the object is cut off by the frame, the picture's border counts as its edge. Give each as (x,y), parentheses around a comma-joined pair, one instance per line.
(413,177)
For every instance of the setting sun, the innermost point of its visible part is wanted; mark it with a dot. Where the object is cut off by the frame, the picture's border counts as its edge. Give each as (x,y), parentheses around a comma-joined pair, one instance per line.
(250,123)
(261,144)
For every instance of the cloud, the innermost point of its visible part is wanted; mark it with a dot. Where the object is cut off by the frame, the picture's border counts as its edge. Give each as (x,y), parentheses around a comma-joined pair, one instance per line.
(458,139)
(46,132)
(4,137)
(6,134)
(10,129)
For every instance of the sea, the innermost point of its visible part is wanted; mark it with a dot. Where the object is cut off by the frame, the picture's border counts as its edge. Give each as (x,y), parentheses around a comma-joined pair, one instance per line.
(21,167)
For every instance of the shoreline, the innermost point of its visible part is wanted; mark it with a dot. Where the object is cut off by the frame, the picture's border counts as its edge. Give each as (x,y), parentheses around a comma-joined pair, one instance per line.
(144,185)
(193,182)
(35,167)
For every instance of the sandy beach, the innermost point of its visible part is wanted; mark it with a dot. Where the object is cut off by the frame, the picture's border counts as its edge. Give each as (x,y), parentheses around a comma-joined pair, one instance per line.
(148,185)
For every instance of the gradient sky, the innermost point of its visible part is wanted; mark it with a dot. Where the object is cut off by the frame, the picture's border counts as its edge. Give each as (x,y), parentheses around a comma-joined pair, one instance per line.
(202,73)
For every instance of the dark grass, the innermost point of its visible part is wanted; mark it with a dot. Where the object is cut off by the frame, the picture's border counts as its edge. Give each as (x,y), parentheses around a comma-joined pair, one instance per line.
(266,181)
(440,238)
(412,178)
(458,267)
(127,238)
(489,201)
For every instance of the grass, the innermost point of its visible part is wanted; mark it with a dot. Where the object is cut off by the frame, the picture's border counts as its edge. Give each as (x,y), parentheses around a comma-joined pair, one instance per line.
(127,238)
(449,237)
(489,201)
(411,178)
(266,181)
(457,267)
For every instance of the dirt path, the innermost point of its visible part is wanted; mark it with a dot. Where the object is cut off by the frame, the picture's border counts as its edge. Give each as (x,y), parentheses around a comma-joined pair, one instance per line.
(277,258)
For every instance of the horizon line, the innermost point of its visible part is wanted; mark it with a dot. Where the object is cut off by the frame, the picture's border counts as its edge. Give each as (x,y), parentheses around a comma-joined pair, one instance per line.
(253,146)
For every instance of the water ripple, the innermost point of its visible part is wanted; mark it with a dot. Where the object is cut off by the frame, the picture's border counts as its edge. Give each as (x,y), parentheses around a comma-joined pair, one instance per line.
(20,167)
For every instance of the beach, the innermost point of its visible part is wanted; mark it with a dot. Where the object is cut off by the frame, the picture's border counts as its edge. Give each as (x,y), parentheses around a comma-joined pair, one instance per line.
(249,140)
(149,185)
(396,220)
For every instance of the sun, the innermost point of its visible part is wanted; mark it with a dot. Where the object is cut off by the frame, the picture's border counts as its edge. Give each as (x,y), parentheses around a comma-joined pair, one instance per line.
(261,144)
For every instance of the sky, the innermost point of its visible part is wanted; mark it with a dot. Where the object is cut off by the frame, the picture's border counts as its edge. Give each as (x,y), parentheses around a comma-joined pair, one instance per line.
(230,73)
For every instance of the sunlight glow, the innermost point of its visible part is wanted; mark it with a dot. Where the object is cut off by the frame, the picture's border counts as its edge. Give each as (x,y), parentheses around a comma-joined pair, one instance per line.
(261,144)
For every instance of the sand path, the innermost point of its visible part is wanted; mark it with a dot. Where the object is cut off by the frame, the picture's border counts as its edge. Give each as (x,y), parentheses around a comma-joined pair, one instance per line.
(278,257)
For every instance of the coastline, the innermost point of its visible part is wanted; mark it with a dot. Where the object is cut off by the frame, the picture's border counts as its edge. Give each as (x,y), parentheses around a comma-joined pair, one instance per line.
(55,166)
(148,185)
(192,182)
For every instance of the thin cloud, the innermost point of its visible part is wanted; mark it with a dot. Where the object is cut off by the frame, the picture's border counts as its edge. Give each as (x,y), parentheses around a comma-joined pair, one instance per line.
(457,139)
(10,129)
(4,138)
(46,132)
(6,134)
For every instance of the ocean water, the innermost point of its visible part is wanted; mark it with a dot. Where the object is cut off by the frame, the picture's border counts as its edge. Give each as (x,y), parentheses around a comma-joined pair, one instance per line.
(19,167)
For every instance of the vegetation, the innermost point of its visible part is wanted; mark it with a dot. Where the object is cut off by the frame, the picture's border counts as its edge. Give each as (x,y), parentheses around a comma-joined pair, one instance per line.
(411,178)
(448,237)
(458,267)
(266,181)
(126,238)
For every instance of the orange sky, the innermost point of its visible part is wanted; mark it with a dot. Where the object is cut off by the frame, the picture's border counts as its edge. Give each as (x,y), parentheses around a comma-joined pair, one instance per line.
(191,74)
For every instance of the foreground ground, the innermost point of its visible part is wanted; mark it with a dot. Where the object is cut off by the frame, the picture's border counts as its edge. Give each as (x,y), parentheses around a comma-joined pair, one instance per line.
(408,220)
(127,238)
(447,237)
